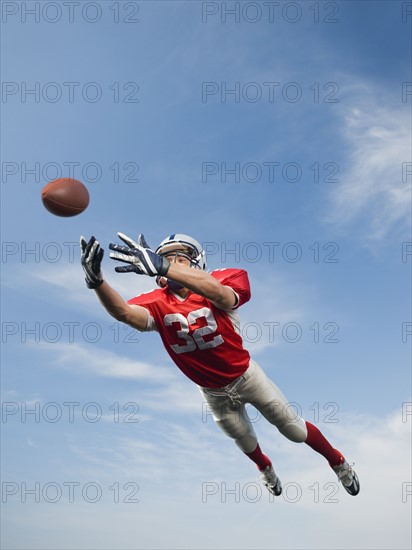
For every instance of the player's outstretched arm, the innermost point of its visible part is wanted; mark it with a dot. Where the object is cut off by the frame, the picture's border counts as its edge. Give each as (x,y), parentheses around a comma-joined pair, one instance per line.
(133,315)
(143,261)
(91,259)
(204,284)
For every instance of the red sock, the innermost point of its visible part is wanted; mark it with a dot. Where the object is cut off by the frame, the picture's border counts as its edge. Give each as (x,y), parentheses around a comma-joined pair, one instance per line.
(320,444)
(261,460)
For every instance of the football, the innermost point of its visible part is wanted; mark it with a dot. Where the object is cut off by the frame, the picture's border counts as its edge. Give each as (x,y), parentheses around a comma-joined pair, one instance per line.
(65,197)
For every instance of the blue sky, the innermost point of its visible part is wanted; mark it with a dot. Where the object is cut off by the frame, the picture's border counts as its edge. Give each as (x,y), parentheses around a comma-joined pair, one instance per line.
(301,175)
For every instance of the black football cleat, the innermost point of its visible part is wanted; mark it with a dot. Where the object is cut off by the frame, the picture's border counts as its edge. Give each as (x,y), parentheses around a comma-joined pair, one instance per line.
(271,481)
(347,476)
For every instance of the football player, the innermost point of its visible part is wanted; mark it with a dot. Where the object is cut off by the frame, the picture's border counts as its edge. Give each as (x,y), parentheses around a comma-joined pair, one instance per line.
(196,316)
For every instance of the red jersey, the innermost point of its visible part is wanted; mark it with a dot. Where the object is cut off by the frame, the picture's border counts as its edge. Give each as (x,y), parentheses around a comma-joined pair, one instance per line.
(203,340)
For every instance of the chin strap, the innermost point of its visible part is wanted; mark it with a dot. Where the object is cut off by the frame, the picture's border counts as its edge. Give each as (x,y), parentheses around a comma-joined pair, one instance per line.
(163,282)
(173,285)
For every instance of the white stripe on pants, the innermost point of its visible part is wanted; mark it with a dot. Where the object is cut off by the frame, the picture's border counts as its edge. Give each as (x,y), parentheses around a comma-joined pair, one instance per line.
(229,412)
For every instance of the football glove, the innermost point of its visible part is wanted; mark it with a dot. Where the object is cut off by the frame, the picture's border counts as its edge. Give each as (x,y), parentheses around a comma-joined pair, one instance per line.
(91,260)
(141,258)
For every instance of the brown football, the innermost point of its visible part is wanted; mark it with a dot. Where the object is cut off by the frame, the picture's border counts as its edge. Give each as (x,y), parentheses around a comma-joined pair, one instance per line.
(65,197)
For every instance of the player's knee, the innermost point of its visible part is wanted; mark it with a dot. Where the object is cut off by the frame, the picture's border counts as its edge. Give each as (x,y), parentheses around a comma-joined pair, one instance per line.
(294,431)
(247,443)
(231,428)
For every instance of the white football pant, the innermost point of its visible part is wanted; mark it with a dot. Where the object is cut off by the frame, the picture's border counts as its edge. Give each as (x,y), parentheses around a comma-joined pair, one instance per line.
(227,405)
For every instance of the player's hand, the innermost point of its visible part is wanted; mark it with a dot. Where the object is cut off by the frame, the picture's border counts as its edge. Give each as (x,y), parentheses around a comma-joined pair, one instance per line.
(91,259)
(139,255)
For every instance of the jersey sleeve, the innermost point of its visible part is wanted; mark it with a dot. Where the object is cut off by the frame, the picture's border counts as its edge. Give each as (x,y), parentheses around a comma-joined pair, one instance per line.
(237,280)
(147,301)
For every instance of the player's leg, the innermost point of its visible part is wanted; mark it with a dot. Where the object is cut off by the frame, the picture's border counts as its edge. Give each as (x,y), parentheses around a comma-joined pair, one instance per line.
(318,442)
(233,420)
(261,392)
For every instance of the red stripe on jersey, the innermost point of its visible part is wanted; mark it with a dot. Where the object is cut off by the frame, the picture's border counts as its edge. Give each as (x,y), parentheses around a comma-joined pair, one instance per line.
(199,337)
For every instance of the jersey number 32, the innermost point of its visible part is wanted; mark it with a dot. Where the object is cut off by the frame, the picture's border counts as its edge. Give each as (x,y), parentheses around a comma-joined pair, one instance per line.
(196,340)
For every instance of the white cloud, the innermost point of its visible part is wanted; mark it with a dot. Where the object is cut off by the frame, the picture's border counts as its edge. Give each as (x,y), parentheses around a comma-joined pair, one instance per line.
(102,362)
(171,463)
(184,457)
(178,396)
(370,188)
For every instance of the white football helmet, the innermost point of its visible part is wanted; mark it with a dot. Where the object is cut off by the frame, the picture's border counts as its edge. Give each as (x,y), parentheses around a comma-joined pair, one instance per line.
(187,245)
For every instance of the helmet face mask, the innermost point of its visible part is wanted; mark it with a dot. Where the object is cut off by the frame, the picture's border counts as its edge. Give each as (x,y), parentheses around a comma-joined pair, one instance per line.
(184,246)
(172,255)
